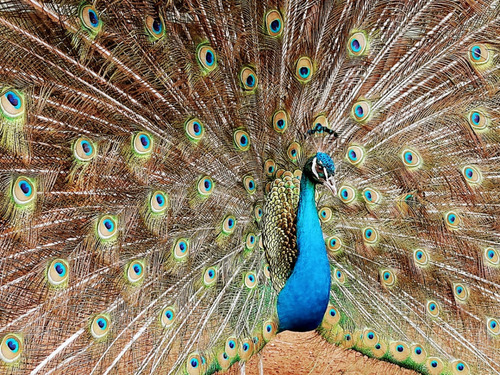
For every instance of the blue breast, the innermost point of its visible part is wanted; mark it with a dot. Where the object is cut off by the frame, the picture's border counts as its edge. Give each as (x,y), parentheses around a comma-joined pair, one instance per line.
(303,300)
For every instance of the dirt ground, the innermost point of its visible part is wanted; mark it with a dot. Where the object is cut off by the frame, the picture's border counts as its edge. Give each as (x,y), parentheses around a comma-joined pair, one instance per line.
(307,353)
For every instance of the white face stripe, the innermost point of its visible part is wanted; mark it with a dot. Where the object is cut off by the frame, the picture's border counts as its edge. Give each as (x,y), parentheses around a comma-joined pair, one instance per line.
(314,168)
(316,173)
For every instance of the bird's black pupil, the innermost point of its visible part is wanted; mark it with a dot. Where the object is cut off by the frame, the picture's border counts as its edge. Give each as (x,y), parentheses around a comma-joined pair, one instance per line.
(250,80)
(144,141)
(250,185)
(100,323)
(25,188)
(137,269)
(159,199)
(304,71)
(59,269)
(196,127)
(418,351)
(243,140)
(434,364)
(12,345)
(207,184)
(281,123)
(355,44)
(400,349)
(294,152)
(477,53)
(107,224)
(230,222)
(231,344)
(157,25)
(13,100)
(275,25)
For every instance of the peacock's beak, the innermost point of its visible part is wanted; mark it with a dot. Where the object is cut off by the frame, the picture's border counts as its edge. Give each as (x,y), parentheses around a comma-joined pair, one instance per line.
(330,183)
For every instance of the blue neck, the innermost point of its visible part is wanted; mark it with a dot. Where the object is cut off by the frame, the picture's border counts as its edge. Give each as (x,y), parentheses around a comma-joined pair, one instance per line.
(304,299)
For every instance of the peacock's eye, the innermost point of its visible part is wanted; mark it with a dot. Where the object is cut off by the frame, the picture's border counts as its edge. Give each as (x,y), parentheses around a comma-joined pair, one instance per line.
(241,140)
(250,280)
(155,28)
(12,104)
(181,249)
(479,54)
(11,348)
(142,143)
(304,69)
(100,326)
(357,44)
(135,271)
(90,19)
(206,57)
(274,23)
(294,151)
(361,111)
(280,121)
(248,79)
(194,129)
(58,272)
(167,316)
(23,191)
(106,227)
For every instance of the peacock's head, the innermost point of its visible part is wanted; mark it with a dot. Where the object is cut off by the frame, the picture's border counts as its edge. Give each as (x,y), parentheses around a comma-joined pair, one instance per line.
(320,169)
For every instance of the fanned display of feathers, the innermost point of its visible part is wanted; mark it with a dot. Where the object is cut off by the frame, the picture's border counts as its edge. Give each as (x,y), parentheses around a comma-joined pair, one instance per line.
(151,157)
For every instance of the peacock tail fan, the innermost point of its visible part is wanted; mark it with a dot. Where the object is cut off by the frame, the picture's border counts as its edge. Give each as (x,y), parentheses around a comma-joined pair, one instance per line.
(160,160)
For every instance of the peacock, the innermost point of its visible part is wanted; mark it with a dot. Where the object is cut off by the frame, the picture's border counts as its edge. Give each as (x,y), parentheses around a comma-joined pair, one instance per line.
(182,180)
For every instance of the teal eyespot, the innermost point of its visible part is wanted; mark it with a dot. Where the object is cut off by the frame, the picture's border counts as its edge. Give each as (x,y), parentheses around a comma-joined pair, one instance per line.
(274,23)
(388,278)
(23,191)
(12,104)
(411,159)
(167,316)
(207,57)
(347,194)
(355,155)
(421,257)
(84,149)
(280,121)
(452,220)
(357,44)
(258,213)
(11,348)
(142,143)
(248,79)
(210,276)
(371,196)
(249,184)
(205,186)
(492,256)
(370,235)
(325,214)
(135,271)
(229,224)
(89,18)
(479,54)
(241,140)
(472,175)
(250,280)
(304,69)
(158,202)
(433,308)
(478,120)
(194,129)
(58,272)
(461,292)
(493,326)
(100,326)
(360,111)
(107,227)
(339,275)
(334,243)
(155,27)
(181,248)
(294,151)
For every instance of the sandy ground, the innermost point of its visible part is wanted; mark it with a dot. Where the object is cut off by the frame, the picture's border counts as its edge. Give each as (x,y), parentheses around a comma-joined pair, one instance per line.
(307,353)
